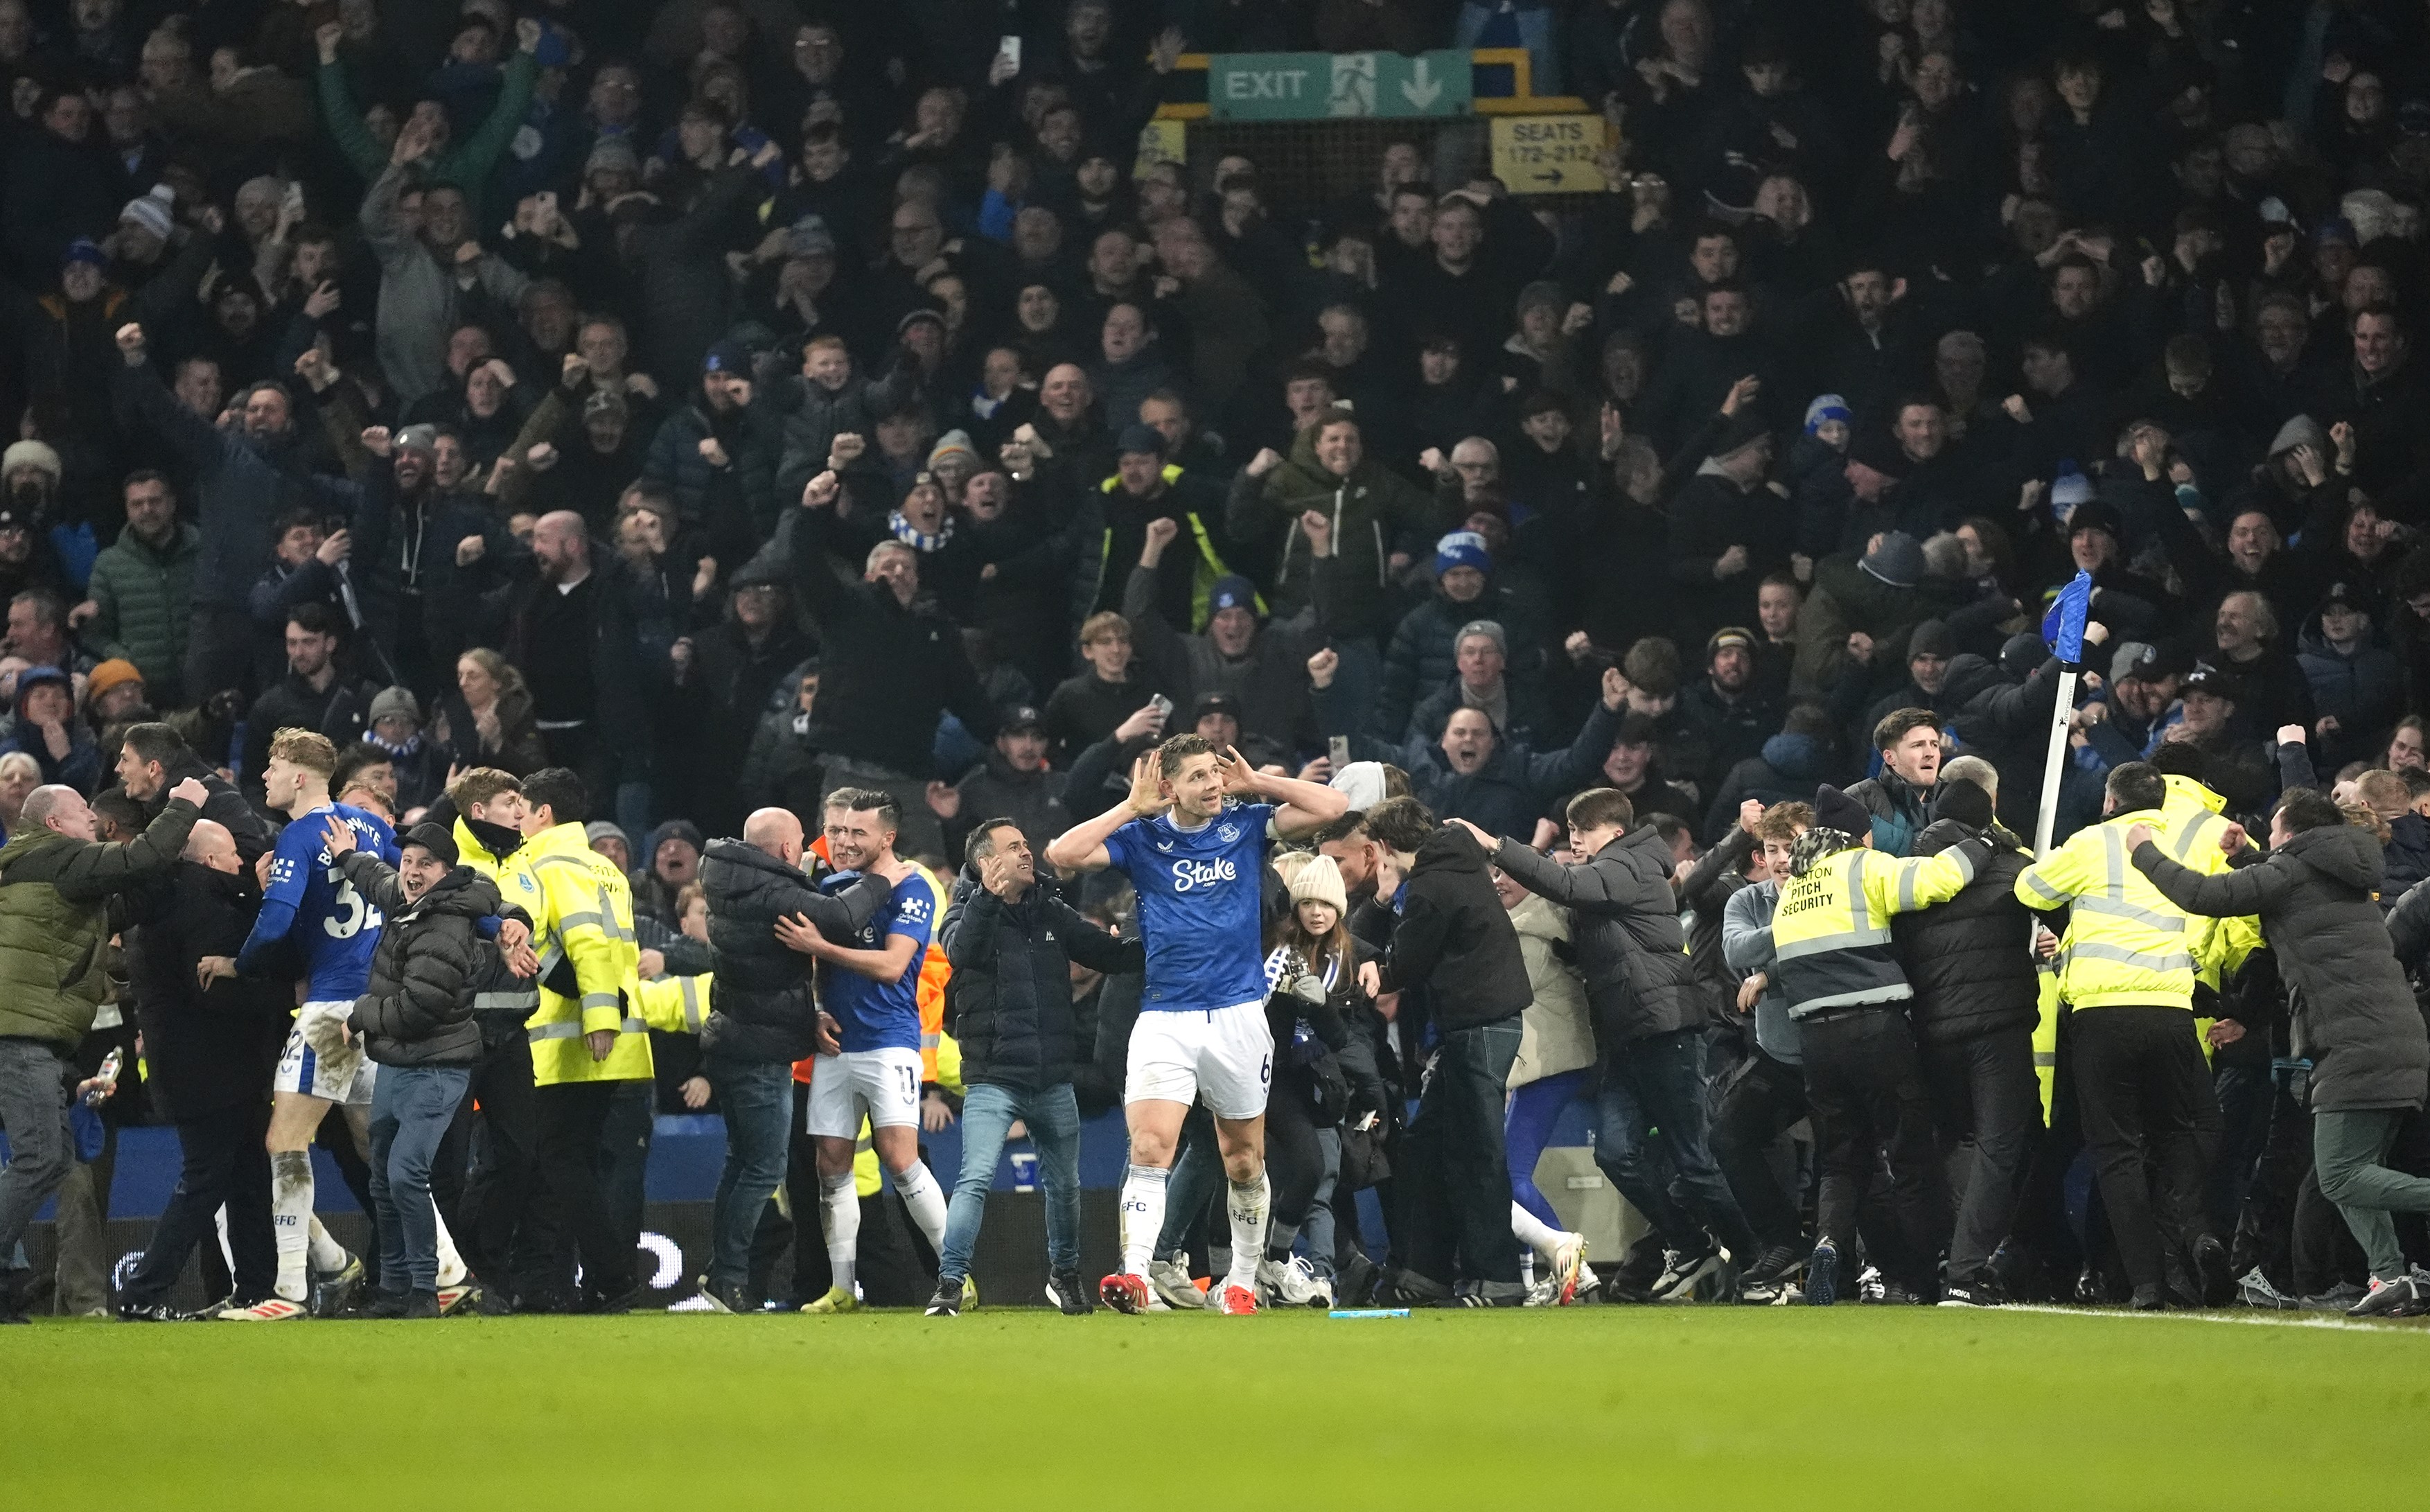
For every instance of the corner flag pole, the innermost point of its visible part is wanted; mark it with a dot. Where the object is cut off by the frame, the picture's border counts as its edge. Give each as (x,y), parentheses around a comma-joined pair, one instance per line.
(2063,628)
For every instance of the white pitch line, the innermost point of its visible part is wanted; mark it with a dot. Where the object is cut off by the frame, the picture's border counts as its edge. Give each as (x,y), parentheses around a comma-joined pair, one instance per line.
(2343,1325)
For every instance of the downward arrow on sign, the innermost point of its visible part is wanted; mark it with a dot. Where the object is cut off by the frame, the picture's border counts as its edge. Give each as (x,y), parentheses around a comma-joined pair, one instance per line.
(1421,90)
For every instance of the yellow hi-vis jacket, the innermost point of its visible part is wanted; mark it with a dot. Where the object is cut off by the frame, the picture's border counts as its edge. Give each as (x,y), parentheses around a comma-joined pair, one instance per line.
(512,874)
(584,929)
(676,1004)
(2125,942)
(1831,932)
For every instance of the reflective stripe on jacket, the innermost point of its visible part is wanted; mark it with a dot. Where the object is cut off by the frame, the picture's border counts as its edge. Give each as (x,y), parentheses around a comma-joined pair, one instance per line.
(1831,932)
(590,963)
(2125,943)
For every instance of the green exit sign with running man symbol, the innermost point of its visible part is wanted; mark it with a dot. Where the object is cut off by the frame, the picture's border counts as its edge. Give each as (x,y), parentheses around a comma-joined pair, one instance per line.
(1335,86)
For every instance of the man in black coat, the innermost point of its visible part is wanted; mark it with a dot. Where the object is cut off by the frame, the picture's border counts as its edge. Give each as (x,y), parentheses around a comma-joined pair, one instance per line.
(763,1017)
(314,695)
(1011,944)
(1453,939)
(156,758)
(1977,999)
(209,1054)
(1649,1017)
(894,663)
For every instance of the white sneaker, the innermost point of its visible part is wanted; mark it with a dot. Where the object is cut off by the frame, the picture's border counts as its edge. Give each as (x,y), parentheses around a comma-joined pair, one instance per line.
(1170,1280)
(1569,1260)
(1293,1283)
(1589,1283)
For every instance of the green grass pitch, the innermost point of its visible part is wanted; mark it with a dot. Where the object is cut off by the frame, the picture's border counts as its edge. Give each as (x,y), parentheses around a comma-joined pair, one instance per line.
(1669,1408)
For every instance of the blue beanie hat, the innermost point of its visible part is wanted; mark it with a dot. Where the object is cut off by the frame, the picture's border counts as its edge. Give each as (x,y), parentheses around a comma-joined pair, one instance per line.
(1462,548)
(1231,591)
(1827,407)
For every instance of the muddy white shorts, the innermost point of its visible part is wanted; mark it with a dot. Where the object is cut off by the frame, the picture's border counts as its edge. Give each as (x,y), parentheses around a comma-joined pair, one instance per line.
(320,1061)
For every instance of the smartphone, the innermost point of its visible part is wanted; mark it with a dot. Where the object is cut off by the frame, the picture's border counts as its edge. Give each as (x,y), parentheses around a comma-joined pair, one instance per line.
(1009,48)
(1338,747)
(1162,704)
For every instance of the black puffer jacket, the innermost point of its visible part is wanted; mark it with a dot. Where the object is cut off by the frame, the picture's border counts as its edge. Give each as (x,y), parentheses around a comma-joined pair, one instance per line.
(417,1009)
(1625,921)
(1454,938)
(1009,1003)
(2352,1012)
(1970,960)
(764,1010)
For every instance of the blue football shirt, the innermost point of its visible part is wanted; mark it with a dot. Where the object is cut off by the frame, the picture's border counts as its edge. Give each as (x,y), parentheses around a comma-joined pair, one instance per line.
(874,1015)
(309,902)
(1200,895)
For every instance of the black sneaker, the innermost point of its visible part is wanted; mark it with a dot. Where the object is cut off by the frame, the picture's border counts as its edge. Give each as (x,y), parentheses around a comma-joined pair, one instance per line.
(2400,1298)
(2216,1281)
(1064,1288)
(2337,1299)
(1633,1279)
(1898,1294)
(1355,1287)
(496,1302)
(607,1305)
(1684,1269)
(1772,1264)
(418,1304)
(947,1302)
(384,1304)
(2149,1298)
(1822,1277)
(149,1312)
(1969,1294)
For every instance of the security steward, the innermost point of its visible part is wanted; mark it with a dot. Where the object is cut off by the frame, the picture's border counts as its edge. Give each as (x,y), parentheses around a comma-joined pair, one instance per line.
(1834,960)
(587,1034)
(2128,966)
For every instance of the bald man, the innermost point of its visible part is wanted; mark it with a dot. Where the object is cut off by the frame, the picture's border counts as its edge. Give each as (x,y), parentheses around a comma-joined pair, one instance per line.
(208,1053)
(211,846)
(762,1019)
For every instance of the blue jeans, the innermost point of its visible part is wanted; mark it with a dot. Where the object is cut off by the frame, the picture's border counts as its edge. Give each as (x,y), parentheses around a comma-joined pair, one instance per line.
(1053,1115)
(757,1100)
(411,1106)
(1651,1140)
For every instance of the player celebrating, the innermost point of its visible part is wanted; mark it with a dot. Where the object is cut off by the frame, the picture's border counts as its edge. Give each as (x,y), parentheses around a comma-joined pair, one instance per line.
(307,900)
(868,988)
(1200,871)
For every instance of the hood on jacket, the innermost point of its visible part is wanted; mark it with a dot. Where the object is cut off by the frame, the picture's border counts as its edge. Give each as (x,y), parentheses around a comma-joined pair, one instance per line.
(463,891)
(1644,851)
(1797,757)
(1450,849)
(2341,852)
(2182,789)
(730,868)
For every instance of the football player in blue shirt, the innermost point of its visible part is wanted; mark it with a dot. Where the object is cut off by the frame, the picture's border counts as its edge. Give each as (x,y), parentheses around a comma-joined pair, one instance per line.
(307,902)
(1192,840)
(869,1003)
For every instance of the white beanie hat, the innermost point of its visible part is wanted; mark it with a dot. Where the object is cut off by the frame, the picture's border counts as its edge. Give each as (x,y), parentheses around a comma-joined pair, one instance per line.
(1317,879)
(151,211)
(30,453)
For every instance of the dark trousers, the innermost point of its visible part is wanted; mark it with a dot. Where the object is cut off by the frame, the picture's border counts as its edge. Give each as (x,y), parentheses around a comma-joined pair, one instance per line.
(1755,1106)
(570,1118)
(1454,1182)
(1864,1085)
(484,1179)
(1986,1103)
(223,1163)
(2151,1125)
(1651,1140)
(1294,1157)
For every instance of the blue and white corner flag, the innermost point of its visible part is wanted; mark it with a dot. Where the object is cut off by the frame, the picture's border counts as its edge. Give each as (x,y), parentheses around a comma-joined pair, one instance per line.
(2063,626)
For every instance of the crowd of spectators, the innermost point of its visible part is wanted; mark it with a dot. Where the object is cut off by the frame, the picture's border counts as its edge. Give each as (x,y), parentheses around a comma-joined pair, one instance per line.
(731,401)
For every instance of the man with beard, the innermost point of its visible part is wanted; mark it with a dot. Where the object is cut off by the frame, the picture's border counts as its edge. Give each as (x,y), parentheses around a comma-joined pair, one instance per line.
(414,535)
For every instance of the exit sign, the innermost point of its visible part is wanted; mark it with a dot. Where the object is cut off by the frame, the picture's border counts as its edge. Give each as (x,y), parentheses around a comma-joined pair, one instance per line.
(1335,86)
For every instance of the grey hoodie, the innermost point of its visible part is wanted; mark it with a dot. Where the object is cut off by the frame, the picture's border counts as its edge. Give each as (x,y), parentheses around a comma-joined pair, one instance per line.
(1746,944)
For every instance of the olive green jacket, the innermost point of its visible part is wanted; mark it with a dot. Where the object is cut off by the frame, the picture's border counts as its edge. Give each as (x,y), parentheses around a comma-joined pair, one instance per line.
(55,897)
